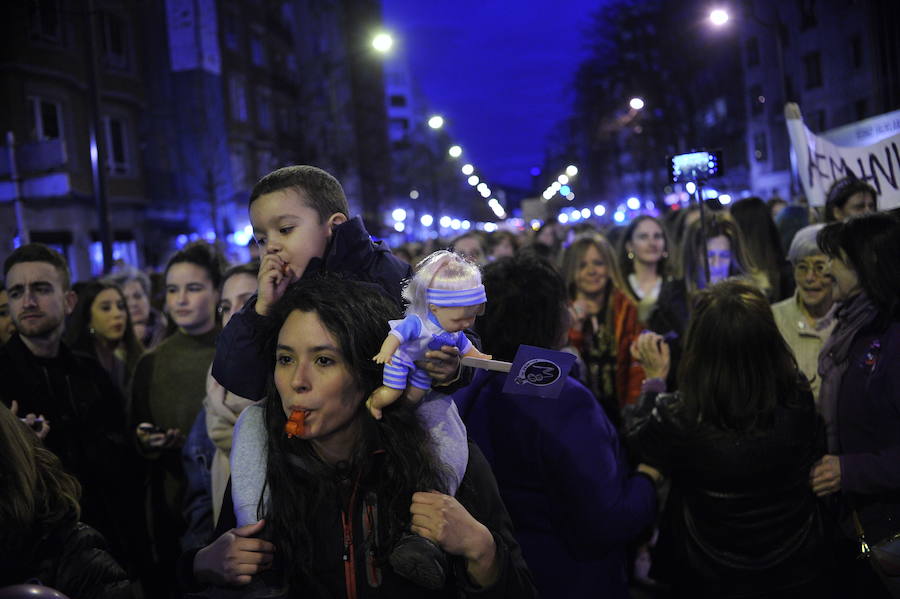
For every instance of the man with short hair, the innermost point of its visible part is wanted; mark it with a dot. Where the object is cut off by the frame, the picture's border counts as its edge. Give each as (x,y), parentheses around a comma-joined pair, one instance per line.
(72,391)
(7,328)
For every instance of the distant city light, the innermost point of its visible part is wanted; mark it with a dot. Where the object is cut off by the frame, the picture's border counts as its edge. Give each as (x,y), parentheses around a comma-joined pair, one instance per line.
(650,205)
(563,218)
(599,209)
(570,196)
(575,216)
(535,225)
(436,122)
(565,190)
(585,213)
(399,227)
(486,192)
(690,187)
(414,195)
(455,151)
(466,225)
(455,224)
(619,217)
(468,169)
(490,227)
(383,42)
(427,220)
(241,237)
(724,199)
(547,194)
(636,103)
(718,17)
(555,186)
(498,210)
(493,202)
(473,180)
(563,179)
(481,186)
(571,170)
(633,203)
(535,171)
(445,221)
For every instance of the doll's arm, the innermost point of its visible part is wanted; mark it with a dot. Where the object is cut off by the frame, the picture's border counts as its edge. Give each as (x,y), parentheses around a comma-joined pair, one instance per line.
(390,345)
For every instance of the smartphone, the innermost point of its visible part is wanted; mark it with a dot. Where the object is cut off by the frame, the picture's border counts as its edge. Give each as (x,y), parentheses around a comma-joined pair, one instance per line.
(695,166)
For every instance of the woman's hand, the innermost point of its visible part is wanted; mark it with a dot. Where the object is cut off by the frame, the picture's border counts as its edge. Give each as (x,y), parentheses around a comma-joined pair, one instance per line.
(235,557)
(825,476)
(652,352)
(445,521)
(580,309)
(153,439)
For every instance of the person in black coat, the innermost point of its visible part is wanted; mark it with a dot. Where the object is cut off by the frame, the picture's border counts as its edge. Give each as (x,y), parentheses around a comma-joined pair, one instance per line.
(738,440)
(41,538)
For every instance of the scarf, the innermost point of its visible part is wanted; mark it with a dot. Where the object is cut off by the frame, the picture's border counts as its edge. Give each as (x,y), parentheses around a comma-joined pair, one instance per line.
(834,359)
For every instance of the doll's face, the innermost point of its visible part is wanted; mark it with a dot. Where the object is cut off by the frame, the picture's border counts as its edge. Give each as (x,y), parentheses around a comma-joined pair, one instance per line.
(456,318)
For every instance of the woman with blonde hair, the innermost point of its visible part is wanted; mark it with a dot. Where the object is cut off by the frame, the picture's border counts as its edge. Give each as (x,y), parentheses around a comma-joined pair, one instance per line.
(604,322)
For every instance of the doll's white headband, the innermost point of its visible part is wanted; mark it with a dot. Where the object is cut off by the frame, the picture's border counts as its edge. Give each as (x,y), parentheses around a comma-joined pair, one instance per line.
(456,297)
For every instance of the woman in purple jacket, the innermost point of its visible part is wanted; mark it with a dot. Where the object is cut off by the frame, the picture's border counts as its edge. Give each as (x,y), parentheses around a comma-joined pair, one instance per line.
(860,393)
(574,501)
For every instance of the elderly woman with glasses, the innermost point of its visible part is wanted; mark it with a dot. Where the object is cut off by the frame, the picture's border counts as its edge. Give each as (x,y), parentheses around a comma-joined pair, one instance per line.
(807,318)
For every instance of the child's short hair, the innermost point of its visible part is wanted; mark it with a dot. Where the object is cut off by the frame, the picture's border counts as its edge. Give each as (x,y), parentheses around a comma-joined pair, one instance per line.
(323,193)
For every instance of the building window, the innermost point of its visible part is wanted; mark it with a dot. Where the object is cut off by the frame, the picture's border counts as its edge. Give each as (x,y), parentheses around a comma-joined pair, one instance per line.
(757,99)
(398,100)
(817,120)
(808,18)
(257,51)
(237,96)
(114,134)
(760,147)
(860,109)
(264,111)
(752,52)
(44,23)
(238,159)
(232,30)
(856,51)
(812,66)
(114,41)
(45,119)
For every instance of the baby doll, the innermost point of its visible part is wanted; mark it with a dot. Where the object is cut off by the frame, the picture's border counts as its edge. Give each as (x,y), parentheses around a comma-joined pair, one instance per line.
(445,295)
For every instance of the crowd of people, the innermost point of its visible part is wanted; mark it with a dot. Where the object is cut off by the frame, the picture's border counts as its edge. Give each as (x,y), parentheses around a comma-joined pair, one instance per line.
(730,427)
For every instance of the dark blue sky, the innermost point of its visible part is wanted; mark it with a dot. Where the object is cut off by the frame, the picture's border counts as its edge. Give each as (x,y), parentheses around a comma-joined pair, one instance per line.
(499,71)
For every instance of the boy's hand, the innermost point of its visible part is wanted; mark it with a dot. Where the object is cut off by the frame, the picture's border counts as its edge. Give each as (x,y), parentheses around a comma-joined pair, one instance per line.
(274,277)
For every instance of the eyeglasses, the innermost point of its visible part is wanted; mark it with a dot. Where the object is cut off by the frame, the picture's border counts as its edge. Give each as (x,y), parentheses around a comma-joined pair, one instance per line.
(820,268)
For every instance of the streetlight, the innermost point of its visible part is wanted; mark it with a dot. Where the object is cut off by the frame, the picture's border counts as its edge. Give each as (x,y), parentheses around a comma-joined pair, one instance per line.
(468,169)
(436,122)
(718,17)
(383,42)
(455,151)
(636,103)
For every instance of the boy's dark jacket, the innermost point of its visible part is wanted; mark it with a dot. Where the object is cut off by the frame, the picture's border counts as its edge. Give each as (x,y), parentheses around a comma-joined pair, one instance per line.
(242,363)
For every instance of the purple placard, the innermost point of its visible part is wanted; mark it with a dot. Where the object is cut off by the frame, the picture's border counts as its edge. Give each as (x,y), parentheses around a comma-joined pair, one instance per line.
(538,371)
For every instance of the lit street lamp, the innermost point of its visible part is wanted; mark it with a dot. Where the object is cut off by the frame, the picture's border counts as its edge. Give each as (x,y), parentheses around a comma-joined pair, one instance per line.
(636,103)
(718,17)
(436,122)
(383,42)
(455,151)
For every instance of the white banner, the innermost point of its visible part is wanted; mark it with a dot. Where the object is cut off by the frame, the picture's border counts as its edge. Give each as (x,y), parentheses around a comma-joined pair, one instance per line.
(820,162)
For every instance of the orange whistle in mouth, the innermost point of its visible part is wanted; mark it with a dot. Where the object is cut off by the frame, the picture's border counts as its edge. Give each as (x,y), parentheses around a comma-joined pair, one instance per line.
(294,426)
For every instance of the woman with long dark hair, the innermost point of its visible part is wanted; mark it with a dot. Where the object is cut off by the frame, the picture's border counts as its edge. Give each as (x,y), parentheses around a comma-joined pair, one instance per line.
(860,392)
(343,485)
(737,440)
(101,326)
(574,500)
(764,245)
(644,260)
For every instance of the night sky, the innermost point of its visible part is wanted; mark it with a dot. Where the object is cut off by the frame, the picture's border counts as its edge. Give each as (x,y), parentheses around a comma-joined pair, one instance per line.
(499,72)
